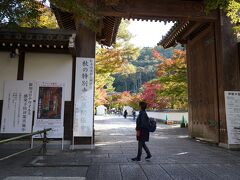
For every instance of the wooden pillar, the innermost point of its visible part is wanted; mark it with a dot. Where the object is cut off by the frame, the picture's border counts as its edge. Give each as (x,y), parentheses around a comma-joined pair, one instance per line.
(21,62)
(239,53)
(228,73)
(85,44)
(1,106)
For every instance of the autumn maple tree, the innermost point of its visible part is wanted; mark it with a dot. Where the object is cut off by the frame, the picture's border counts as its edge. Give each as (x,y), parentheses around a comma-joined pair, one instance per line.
(124,98)
(173,78)
(150,96)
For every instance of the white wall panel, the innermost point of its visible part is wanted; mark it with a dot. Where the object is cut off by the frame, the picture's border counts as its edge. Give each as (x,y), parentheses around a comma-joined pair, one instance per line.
(8,69)
(49,67)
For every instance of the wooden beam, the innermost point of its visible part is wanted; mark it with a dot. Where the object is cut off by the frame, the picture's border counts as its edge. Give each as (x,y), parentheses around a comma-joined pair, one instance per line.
(189,31)
(21,62)
(155,9)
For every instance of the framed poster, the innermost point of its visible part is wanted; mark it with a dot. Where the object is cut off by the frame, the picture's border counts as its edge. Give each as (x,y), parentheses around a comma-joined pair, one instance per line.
(84,98)
(232,105)
(49,108)
(17,107)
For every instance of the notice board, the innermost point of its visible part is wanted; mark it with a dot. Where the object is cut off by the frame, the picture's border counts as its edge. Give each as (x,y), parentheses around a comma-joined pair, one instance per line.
(232,103)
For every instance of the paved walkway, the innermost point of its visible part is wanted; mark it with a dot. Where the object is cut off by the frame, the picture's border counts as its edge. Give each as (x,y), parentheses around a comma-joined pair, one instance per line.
(175,156)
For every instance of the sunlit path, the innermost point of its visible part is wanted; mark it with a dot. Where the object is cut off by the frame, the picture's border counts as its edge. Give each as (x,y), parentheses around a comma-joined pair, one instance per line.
(116,132)
(175,155)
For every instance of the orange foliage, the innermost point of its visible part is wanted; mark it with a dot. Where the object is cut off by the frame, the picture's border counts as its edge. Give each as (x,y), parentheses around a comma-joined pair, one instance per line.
(125,98)
(177,59)
(149,95)
(100,97)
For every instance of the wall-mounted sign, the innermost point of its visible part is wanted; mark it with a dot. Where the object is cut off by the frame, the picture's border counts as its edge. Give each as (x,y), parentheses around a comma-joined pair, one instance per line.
(17,107)
(49,108)
(232,103)
(84,99)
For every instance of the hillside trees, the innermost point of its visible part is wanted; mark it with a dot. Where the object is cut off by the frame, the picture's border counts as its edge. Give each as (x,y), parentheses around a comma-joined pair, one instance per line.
(146,65)
(168,89)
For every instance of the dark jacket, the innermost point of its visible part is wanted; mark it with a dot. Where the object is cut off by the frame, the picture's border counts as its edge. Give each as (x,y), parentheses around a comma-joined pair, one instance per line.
(142,125)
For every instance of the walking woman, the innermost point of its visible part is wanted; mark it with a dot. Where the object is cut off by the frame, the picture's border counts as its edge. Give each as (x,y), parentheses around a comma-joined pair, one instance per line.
(142,132)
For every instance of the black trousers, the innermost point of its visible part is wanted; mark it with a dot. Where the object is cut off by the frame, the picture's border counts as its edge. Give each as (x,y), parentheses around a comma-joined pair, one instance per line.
(141,144)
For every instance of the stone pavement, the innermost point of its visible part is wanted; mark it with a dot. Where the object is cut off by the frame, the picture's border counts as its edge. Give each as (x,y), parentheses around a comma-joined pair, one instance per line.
(175,156)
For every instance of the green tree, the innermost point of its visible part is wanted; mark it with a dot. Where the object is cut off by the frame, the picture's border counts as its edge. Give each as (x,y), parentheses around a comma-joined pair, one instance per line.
(231,7)
(26,13)
(46,19)
(15,12)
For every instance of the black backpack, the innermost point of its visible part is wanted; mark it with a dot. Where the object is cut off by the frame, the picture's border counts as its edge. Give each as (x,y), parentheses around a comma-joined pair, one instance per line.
(152,125)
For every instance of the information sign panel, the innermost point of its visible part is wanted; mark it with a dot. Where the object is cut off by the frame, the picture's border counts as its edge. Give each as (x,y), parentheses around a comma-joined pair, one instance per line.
(84,97)
(49,109)
(17,107)
(232,103)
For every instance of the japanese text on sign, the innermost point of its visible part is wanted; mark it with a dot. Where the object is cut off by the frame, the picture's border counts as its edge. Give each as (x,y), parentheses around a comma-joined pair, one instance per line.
(17,107)
(232,102)
(84,89)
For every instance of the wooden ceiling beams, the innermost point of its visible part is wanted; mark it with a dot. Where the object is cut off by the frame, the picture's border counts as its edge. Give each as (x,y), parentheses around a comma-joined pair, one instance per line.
(156,9)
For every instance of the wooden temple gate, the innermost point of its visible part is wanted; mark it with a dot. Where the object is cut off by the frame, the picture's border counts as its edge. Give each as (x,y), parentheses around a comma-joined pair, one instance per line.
(213,67)
(203,101)
(212,54)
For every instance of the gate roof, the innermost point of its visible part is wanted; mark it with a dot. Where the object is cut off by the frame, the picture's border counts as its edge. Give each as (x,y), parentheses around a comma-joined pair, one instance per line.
(181,32)
(153,10)
(37,40)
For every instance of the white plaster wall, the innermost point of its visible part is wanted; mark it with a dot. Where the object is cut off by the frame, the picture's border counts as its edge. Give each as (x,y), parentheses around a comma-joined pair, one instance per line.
(49,67)
(101,110)
(171,116)
(129,110)
(8,69)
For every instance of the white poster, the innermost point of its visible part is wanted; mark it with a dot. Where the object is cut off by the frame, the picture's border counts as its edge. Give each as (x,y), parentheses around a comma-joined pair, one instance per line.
(84,97)
(17,107)
(49,108)
(232,103)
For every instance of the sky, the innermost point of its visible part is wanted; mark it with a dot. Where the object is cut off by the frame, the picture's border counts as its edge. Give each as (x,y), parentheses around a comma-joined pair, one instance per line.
(147,34)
